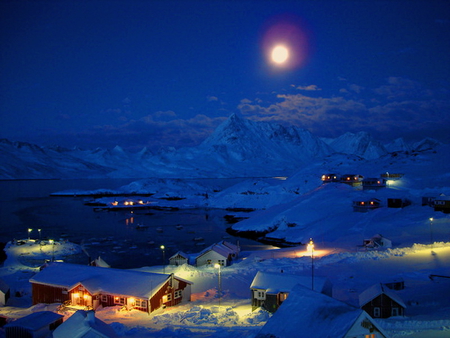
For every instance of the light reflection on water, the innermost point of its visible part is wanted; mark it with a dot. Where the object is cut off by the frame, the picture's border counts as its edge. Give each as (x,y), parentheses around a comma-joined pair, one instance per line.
(112,235)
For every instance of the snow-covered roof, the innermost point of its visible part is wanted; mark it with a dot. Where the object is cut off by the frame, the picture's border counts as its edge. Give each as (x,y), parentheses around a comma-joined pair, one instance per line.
(97,279)
(101,263)
(282,282)
(223,248)
(36,320)
(180,254)
(84,324)
(376,290)
(307,313)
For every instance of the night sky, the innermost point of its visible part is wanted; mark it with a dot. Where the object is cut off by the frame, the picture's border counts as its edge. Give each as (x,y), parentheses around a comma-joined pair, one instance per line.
(167,73)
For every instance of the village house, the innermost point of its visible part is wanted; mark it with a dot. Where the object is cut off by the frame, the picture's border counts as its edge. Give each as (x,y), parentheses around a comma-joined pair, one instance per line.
(307,313)
(35,325)
(4,292)
(392,176)
(269,290)
(393,202)
(91,287)
(373,183)
(366,205)
(379,301)
(221,253)
(442,203)
(84,324)
(428,199)
(377,242)
(327,178)
(179,258)
(353,180)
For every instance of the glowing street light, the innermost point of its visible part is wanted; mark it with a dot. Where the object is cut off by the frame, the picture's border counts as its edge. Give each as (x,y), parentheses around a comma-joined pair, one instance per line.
(163,248)
(218,266)
(39,234)
(310,249)
(29,231)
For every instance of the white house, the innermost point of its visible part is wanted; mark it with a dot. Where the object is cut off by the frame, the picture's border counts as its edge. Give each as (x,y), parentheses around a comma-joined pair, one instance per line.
(84,324)
(269,290)
(221,253)
(35,325)
(179,258)
(307,313)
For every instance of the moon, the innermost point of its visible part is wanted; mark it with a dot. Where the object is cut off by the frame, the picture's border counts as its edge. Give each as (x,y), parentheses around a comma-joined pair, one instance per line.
(280,54)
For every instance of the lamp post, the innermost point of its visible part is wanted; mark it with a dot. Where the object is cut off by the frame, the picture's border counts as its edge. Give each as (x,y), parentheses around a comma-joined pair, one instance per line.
(29,231)
(218,266)
(39,234)
(52,242)
(431,231)
(163,248)
(311,250)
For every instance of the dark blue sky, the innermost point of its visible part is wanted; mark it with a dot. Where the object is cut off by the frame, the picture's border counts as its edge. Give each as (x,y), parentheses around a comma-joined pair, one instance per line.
(166,73)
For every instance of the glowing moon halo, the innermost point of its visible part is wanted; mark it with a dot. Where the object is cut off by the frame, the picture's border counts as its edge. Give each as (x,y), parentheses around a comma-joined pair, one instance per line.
(280,54)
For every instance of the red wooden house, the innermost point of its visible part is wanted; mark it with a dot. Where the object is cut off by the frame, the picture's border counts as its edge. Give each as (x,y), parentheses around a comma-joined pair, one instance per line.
(352,179)
(366,205)
(381,302)
(91,286)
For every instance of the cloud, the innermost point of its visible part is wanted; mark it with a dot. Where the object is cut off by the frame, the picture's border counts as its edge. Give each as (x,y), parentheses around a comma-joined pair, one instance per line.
(308,88)
(402,107)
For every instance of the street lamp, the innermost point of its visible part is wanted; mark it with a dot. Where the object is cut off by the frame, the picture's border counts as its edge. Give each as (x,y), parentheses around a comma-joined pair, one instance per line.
(310,249)
(163,248)
(29,230)
(39,234)
(52,242)
(218,266)
(431,231)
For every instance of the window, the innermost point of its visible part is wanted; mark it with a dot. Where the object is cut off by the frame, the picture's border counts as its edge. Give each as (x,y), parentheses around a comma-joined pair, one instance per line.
(260,294)
(376,312)
(178,294)
(119,300)
(104,298)
(371,335)
(221,262)
(395,312)
(138,303)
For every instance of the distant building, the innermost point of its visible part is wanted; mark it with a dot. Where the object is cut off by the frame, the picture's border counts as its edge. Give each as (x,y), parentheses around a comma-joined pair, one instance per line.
(428,199)
(327,178)
(366,205)
(394,202)
(36,325)
(377,242)
(269,290)
(381,302)
(442,203)
(179,258)
(221,253)
(91,287)
(373,183)
(392,176)
(307,313)
(352,179)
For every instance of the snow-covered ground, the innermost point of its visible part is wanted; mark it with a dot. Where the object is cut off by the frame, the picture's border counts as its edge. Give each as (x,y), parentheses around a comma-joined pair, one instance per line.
(427,314)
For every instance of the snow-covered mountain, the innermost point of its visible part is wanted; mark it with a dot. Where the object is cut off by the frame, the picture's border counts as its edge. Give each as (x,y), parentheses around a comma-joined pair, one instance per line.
(238,147)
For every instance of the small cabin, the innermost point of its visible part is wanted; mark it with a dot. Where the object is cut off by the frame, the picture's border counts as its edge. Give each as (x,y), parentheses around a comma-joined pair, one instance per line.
(35,325)
(442,203)
(327,178)
(392,176)
(179,258)
(353,180)
(381,302)
(373,183)
(377,242)
(366,205)
(398,202)
(220,253)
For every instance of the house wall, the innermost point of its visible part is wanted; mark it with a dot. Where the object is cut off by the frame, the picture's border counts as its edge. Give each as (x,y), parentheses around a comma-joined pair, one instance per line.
(48,294)
(442,205)
(178,260)
(385,304)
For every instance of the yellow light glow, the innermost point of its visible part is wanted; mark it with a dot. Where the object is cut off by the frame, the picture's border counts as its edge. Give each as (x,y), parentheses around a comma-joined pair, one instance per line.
(310,247)
(280,54)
